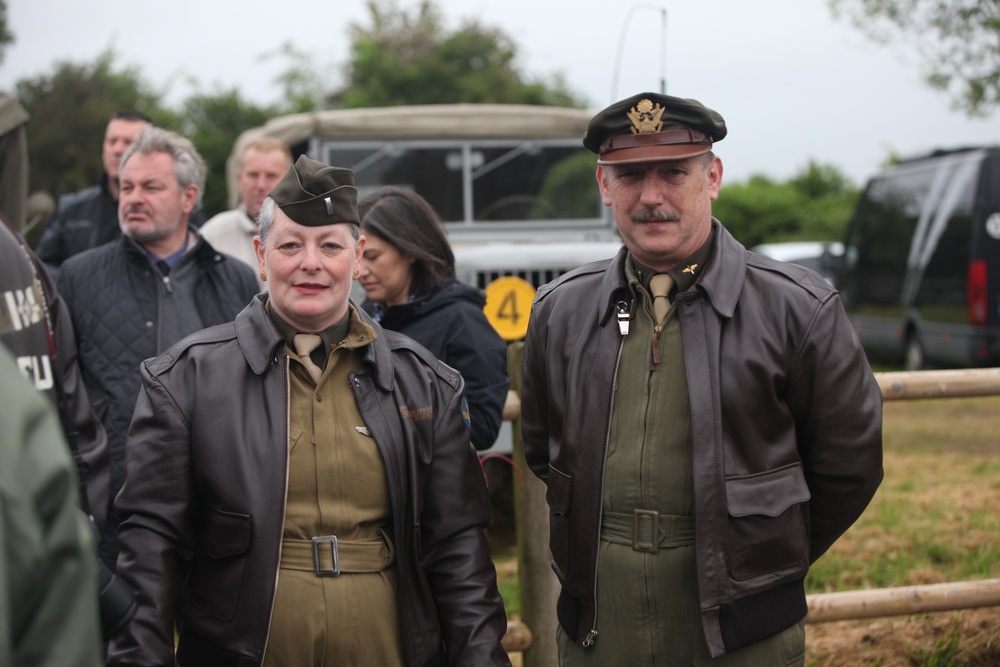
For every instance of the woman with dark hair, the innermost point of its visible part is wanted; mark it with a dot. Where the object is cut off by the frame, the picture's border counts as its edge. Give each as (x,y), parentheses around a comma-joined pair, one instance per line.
(408,274)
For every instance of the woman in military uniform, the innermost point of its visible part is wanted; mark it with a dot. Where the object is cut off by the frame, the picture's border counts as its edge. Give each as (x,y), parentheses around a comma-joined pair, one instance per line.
(300,489)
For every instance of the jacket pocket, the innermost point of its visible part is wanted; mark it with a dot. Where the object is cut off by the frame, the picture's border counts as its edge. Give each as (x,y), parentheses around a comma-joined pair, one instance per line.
(294,434)
(768,521)
(558,493)
(216,578)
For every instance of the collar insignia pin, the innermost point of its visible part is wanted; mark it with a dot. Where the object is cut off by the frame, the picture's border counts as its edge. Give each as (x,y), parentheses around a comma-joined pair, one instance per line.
(690,268)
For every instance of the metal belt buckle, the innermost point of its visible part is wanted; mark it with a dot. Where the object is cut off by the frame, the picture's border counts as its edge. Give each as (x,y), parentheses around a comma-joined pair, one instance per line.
(647,547)
(332,540)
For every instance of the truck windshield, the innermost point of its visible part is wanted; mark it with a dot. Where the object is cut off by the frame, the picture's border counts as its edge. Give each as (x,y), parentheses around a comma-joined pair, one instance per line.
(480,182)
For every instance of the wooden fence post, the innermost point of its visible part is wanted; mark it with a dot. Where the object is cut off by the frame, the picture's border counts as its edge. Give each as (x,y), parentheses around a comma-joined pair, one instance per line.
(538,584)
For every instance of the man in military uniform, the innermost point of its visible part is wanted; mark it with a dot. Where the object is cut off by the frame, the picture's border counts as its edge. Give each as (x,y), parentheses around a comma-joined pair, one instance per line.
(704,417)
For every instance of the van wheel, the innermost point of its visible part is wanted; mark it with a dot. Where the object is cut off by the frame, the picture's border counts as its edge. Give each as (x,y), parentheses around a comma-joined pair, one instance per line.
(913,357)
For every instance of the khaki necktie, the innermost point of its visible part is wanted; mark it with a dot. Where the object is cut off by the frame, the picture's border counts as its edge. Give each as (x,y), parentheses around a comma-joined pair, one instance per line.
(660,285)
(304,345)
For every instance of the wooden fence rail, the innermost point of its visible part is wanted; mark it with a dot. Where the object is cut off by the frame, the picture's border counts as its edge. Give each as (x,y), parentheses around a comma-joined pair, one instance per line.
(879,602)
(535,634)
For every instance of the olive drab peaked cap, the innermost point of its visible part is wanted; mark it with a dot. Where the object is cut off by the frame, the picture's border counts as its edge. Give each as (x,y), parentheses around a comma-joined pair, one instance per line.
(315,194)
(651,126)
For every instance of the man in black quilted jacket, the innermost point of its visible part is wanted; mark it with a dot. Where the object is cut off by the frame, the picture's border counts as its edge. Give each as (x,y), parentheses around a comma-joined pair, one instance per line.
(134,297)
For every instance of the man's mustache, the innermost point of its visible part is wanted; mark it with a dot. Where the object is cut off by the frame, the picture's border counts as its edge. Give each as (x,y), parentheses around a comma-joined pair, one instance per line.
(137,209)
(655,215)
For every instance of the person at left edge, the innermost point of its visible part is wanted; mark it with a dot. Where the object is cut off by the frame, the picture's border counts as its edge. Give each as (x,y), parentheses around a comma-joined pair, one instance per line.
(289,507)
(48,591)
(35,326)
(131,299)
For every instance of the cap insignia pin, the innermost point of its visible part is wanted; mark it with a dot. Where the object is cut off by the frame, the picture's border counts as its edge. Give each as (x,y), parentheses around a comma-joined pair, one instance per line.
(329,205)
(646,117)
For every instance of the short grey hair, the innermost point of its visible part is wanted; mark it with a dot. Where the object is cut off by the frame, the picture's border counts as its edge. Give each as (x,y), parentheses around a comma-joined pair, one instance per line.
(265,220)
(189,167)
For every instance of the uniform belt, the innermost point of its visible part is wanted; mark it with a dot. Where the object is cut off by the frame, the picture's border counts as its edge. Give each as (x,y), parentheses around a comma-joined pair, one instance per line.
(637,528)
(329,556)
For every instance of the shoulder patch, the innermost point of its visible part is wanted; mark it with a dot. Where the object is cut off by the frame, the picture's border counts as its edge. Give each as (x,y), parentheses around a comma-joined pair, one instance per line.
(465,413)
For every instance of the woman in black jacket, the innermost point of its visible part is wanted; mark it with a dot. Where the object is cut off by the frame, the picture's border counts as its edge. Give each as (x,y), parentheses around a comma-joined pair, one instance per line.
(408,274)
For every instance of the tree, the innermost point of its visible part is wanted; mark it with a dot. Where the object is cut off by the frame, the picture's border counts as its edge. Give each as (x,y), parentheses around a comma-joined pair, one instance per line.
(814,205)
(301,84)
(6,36)
(958,42)
(69,112)
(410,58)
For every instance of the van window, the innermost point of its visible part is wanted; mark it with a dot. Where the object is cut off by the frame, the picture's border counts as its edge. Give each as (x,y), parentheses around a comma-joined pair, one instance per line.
(919,264)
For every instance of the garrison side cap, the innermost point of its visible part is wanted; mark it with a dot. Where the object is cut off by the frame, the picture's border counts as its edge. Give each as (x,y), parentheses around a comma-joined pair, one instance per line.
(651,126)
(314,194)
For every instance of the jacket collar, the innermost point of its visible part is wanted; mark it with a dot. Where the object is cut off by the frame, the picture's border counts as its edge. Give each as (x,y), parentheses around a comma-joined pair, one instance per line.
(721,283)
(394,317)
(726,273)
(246,223)
(262,343)
(199,249)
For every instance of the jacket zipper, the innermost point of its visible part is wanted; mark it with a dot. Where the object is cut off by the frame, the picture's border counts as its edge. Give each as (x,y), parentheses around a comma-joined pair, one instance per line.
(284,505)
(159,318)
(623,308)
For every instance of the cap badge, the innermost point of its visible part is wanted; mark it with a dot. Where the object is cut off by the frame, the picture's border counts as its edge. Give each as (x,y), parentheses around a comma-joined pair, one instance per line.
(646,117)
(329,205)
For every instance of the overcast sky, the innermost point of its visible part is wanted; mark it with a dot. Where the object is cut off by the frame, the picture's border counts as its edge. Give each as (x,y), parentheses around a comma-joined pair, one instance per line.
(793,84)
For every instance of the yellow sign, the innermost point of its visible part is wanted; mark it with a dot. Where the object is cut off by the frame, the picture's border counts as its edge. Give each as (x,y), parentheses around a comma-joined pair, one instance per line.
(508,304)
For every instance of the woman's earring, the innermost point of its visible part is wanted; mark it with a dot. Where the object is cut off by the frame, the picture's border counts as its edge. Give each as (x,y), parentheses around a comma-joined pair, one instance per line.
(263,275)
(357,272)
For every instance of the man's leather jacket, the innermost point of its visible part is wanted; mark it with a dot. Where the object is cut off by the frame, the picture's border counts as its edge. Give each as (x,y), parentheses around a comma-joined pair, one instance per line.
(786,431)
(203,503)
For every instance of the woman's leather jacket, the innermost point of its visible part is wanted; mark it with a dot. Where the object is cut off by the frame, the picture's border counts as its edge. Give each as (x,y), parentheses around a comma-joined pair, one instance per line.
(203,502)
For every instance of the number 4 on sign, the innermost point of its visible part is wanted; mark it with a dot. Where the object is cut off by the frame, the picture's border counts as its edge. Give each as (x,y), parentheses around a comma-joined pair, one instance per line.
(508,306)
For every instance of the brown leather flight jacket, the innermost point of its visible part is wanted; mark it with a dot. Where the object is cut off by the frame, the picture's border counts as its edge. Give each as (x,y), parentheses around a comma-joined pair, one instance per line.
(203,502)
(786,421)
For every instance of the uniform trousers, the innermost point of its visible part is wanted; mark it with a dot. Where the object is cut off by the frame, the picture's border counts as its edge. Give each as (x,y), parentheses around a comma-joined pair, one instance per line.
(648,610)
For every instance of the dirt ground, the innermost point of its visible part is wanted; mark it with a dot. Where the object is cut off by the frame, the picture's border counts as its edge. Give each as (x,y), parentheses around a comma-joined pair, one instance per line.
(903,641)
(908,641)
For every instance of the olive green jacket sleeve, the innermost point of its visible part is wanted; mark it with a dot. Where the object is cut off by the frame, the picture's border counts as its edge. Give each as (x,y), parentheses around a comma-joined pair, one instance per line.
(48,585)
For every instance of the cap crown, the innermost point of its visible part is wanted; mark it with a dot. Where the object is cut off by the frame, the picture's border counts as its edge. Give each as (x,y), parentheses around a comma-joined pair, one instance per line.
(314,194)
(653,126)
